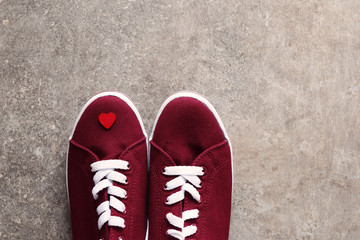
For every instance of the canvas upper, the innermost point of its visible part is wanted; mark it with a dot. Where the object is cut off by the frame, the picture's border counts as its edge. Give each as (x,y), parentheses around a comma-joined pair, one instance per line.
(118,135)
(188,132)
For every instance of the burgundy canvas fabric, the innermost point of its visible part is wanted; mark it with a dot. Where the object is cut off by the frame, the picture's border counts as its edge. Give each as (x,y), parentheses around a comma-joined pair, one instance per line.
(95,139)
(187,133)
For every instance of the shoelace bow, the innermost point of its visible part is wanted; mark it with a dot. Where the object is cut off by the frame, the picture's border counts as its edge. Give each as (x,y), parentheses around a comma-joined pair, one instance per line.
(104,177)
(188,179)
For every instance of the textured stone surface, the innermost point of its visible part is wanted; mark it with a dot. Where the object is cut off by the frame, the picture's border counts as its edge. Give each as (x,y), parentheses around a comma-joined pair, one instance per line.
(284,76)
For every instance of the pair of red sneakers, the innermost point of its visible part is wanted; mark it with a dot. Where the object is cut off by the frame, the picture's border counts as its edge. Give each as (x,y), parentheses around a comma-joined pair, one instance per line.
(188,192)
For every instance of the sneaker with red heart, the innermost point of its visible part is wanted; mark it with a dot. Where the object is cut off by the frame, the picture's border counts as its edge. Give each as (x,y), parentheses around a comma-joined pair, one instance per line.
(190,172)
(107,171)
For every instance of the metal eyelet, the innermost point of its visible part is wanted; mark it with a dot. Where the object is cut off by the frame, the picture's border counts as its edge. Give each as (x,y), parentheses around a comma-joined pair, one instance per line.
(164,187)
(125,197)
(204,170)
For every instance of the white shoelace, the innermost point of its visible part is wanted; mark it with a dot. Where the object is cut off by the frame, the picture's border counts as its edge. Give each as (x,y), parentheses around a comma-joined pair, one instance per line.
(104,177)
(188,179)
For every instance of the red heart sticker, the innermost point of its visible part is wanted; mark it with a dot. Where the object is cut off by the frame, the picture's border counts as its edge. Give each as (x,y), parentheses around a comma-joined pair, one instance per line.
(107,119)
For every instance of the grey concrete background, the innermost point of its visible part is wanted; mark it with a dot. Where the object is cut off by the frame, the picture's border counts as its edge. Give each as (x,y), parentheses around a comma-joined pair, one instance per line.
(284,76)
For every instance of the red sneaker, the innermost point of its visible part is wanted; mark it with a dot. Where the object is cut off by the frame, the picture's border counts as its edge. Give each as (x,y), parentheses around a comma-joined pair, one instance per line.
(107,170)
(190,172)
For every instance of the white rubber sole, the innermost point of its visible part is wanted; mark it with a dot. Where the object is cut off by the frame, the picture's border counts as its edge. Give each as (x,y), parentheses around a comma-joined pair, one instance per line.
(209,106)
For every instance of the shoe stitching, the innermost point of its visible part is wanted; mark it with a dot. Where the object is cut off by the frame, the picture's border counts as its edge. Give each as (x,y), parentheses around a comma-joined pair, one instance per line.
(91,155)
(80,147)
(133,151)
(85,172)
(211,150)
(132,146)
(208,193)
(207,153)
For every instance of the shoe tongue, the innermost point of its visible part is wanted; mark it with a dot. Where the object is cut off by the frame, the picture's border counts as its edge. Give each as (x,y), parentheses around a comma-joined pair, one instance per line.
(184,153)
(183,161)
(184,157)
(181,156)
(110,156)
